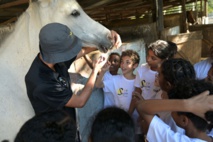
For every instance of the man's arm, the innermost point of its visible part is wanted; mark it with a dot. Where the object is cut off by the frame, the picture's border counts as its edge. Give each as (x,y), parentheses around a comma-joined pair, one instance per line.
(81,99)
(84,51)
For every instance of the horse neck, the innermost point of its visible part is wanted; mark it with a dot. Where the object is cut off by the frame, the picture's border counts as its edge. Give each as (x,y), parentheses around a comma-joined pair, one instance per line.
(21,46)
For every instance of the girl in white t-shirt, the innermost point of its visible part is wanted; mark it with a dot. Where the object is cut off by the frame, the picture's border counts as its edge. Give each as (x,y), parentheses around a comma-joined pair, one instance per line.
(158,52)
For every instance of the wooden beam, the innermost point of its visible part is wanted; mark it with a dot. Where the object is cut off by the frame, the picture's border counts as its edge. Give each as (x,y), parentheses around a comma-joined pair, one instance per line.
(9,21)
(14,3)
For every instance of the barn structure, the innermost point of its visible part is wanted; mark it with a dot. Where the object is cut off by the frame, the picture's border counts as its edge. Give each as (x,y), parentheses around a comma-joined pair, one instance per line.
(181,21)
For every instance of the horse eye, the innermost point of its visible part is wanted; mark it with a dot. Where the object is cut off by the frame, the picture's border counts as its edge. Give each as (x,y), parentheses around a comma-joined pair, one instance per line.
(75,13)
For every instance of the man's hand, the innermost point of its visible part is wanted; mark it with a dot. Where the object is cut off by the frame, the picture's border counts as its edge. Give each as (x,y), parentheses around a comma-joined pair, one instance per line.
(116,40)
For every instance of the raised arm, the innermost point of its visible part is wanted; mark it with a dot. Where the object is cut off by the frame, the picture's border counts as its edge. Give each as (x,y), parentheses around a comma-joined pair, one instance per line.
(81,99)
(99,82)
(197,105)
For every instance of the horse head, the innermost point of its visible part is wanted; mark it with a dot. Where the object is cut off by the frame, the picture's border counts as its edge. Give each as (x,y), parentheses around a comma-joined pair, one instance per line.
(70,13)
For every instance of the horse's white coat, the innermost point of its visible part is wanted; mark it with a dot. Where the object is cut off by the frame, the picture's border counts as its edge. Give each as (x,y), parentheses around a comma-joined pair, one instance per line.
(20,48)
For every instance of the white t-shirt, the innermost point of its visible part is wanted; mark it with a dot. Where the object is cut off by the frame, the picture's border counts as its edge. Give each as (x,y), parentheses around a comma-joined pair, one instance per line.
(145,79)
(108,96)
(202,68)
(160,132)
(122,89)
(167,118)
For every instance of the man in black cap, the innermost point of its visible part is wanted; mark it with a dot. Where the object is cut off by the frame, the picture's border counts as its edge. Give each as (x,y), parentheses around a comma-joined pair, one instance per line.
(48,81)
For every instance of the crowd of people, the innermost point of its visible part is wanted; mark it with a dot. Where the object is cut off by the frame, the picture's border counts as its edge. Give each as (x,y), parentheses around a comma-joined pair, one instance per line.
(167,100)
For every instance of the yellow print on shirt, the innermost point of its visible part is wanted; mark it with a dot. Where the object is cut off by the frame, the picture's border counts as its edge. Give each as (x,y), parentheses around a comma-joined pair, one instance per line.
(143,83)
(122,91)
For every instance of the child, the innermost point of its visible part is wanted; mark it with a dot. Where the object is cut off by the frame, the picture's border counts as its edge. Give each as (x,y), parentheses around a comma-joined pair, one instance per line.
(122,86)
(145,76)
(114,62)
(170,72)
(112,124)
(187,113)
(52,126)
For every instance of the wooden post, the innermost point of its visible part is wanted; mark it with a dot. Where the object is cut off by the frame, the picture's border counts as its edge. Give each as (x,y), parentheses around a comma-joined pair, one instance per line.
(205,8)
(196,11)
(160,18)
(183,25)
(201,9)
(154,9)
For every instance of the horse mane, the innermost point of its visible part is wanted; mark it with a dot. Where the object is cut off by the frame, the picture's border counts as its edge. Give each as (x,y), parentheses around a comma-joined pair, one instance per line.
(28,24)
(5,31)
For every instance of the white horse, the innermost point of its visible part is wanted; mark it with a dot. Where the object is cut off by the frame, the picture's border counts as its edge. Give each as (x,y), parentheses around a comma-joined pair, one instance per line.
(19,49)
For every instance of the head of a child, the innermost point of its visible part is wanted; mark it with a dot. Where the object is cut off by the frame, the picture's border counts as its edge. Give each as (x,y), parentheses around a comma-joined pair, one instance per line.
(159,51)
(129,61)
(172,71)
(53,126)
(112,125)
(185,89)
(114,59)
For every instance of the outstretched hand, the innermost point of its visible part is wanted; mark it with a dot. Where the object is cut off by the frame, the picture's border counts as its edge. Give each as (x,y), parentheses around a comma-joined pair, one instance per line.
(201,103)
(100,62)
(106,67)
(116,40)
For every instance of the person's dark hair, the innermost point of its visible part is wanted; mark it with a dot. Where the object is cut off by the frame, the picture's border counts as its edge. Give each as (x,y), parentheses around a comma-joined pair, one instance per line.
(176,69)
(163,49)
(53,126)
(114,53)
(132,54)
(112,125)
(188,88)
(211,52)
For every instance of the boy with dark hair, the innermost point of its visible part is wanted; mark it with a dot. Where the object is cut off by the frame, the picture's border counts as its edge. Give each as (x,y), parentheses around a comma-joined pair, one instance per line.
(53,126)
(185,100)
(112,124)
